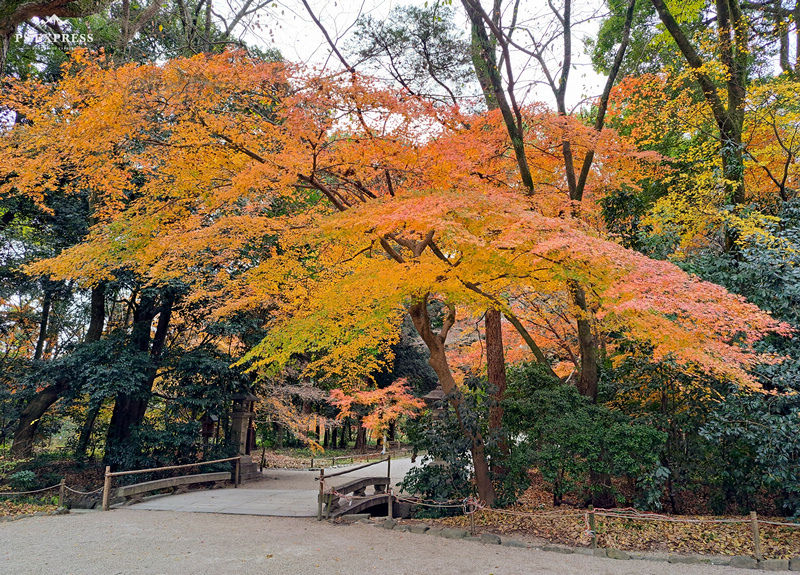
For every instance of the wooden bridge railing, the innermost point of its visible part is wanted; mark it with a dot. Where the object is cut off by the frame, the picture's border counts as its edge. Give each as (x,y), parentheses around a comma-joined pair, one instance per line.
(354,486)
(109,476)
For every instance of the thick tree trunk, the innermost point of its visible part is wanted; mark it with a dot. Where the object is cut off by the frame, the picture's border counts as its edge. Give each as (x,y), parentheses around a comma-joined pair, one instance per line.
(361,438)
(130,407)
(30,417)
(496,376)
(438,361)
(97,312)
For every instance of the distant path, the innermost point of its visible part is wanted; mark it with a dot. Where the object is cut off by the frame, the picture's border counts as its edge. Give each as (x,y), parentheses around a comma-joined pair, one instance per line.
(133,542)
(281,493)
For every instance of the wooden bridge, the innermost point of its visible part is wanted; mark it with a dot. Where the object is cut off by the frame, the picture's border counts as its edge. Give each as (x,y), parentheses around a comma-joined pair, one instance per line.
(351,497)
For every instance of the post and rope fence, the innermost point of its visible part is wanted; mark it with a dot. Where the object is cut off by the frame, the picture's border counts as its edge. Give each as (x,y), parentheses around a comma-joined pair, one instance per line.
(62,491)
(471,505)
(592,527)
(109,475)
(756,537)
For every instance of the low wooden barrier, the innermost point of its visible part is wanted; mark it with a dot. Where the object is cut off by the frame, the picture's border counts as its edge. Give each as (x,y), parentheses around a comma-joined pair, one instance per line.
(147,485)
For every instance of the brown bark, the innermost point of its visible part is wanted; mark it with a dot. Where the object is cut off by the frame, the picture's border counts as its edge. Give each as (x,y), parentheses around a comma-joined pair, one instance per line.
(361,437)
(97,313)
(130,407)
(486,68)
(46,302)
(30,417)
(32,413)
(589,348)
(496,372)
(438,361)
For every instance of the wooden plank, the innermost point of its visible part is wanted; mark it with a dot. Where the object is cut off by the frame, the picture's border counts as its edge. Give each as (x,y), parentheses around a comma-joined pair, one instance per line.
(359,484)
(136,488)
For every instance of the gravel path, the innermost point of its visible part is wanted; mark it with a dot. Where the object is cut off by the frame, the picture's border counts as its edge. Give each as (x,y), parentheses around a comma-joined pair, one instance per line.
(127,541)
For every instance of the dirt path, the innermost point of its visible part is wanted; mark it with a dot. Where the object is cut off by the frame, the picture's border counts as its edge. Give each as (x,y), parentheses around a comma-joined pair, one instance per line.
(128,541)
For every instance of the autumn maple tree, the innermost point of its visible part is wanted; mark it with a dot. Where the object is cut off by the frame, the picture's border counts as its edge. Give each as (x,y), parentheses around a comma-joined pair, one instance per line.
(341,205)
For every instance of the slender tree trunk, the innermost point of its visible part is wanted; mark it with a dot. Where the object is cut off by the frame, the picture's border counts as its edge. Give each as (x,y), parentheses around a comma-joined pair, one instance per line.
(496,372)
(589,348)
(391,435)
(86,431)
(485,62)
(733,34)
(43,324)
(44,399)
(438,361)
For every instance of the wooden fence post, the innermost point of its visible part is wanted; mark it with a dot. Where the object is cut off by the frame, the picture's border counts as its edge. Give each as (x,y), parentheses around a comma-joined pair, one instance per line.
(756,538)
(591,526)
(236,477)
(472,521)
(107,489)
(321,493)
(61,492)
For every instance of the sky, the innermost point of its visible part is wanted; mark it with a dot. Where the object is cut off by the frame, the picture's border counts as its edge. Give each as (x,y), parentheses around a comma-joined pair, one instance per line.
(288,27)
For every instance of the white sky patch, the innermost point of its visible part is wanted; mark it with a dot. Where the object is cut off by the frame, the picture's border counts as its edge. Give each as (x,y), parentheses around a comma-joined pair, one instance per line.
(289,28)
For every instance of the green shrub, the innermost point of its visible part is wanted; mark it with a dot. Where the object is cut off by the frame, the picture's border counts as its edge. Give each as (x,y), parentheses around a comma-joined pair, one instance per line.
(23,480)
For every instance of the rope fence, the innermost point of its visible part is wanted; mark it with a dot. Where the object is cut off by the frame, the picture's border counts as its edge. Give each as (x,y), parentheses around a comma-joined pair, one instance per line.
(7,493)
(471,505)
(62,490)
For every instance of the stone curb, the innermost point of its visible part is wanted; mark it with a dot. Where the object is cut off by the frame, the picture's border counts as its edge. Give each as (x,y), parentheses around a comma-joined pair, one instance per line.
(59,511)
(740,561)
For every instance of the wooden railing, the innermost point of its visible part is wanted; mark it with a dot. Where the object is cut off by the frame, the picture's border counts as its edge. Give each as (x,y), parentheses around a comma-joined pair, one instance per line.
(109,476)
(323,477)
(334,458)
